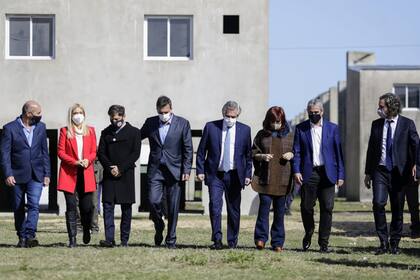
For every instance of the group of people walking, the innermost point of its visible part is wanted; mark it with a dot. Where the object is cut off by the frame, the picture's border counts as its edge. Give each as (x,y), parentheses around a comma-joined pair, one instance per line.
(310,157)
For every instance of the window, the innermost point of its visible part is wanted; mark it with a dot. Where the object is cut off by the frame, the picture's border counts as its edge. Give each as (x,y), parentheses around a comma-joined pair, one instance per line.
(409,95)
(168,38)
(231,24)
(29,37)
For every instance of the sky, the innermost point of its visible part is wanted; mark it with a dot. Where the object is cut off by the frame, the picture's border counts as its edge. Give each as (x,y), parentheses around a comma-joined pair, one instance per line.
(309,40)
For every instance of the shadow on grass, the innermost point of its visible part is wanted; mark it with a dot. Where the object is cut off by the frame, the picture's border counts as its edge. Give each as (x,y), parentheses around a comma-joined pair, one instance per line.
(355,263)
(356,229)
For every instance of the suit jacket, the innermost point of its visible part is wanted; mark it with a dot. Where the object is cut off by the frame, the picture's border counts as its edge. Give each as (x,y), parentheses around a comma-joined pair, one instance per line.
(404,147)
(176,151)
(123,150)
(209,151)
(20,160)
(330,149)
(67,152)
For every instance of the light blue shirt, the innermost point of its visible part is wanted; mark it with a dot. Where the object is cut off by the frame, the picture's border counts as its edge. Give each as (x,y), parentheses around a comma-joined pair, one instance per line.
(29,132)
(164,128)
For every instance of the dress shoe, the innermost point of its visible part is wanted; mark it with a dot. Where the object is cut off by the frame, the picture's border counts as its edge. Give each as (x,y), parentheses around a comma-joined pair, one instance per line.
(395,250)
(159,235)
(324,249)
(107,244)
(170,246)
(21,243)
(86,235)
(382,249)
(415,234)
(217,245)
(124,244)
(232,246)
(32,242)
(72,242)
(278,249)
(306,242)
(260,244)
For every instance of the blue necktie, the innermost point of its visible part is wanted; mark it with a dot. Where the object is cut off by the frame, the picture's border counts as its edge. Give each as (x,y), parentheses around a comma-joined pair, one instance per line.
(226,152)
(388,161)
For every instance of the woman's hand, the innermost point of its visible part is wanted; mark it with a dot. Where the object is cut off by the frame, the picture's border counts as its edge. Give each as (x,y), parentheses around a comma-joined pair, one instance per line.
(266,157)
(288,156)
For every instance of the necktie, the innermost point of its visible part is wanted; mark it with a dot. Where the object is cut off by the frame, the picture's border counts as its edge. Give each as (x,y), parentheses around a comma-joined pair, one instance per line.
(389,163)
(226,152)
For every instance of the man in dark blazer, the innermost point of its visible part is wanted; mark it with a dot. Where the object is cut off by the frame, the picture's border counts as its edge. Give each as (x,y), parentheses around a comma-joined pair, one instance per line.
(26,166)
(224,162)
(317,166)
(170,161)
(119,149)
(390,165)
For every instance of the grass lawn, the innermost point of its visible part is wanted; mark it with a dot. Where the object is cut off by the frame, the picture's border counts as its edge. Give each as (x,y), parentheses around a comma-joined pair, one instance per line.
(353,241)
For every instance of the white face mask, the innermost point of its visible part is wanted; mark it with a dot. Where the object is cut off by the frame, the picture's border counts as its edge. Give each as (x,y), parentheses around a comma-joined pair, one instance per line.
(230,121)
(277,126)
(165,117)
(381,113)
(78,118)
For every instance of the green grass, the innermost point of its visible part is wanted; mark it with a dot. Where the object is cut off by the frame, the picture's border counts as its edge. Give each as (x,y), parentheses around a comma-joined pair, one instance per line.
(353,241)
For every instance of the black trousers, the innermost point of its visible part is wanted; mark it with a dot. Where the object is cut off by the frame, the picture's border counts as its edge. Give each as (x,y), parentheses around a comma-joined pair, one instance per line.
(411,194)
(388,183)
(318,187)
(163,184)
(80,199)
(109,224)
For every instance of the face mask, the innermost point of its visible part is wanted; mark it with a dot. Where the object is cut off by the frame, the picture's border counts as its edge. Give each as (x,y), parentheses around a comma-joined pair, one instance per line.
(78,118)
(276,126)
(314,118)
(230,121)
(165,117)
(381,113)
(34,120)
(117,124)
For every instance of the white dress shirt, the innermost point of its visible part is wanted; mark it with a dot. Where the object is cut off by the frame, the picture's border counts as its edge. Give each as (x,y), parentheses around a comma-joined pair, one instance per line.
(316,135)
(232,134)
(386,126)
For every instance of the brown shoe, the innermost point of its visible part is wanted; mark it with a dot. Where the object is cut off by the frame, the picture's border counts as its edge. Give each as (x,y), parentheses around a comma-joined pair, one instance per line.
(278,249)
(260,244)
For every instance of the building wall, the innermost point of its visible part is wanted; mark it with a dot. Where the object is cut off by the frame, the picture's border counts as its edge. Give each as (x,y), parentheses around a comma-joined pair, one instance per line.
(99,62)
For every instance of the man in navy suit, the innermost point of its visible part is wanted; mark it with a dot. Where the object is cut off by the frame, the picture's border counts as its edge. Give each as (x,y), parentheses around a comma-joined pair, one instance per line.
(317,166)
(390,166)
(170,161)
(26,166)
(224,162)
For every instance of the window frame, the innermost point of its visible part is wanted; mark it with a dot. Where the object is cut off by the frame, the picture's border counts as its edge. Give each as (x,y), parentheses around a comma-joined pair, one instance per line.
(30,56)
(405,107)
(168,44)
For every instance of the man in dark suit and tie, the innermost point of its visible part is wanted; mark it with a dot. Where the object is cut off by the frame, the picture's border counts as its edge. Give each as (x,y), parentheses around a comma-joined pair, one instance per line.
(390,165)
(224,162)
(317,166)
(26,166)
(170,161)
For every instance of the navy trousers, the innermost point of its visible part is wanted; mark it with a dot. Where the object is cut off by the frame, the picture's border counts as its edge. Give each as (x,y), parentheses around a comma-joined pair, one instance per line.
(386,183)
(262,225)
(161,184)
(125,225)
(226,183)
(411,193)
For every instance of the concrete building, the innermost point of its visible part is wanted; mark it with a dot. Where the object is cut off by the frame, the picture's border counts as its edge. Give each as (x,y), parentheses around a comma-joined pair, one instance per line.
(103,52)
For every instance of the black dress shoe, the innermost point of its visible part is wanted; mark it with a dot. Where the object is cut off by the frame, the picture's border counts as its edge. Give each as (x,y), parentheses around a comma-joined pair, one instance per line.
(72,242)
(170,246)
(324,250)
(395,250)
(159,235)
(217,245)
(382,249)
(21,243)
(32,242)
(107,244)
(86,235)
(306,242)
(232,246)
(415,234)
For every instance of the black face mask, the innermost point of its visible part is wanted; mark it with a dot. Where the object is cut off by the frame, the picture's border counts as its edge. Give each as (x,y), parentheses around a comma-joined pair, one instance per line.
(117,124)
(314,118)
(34,120)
